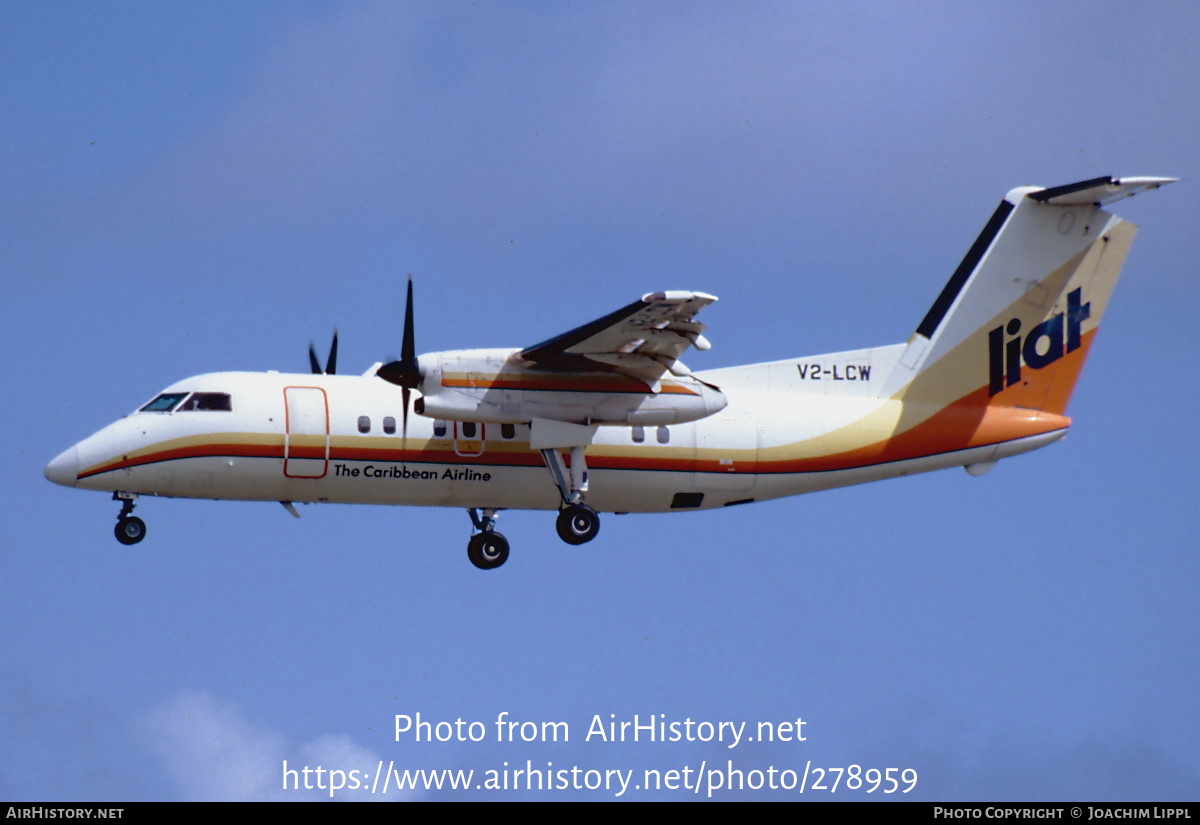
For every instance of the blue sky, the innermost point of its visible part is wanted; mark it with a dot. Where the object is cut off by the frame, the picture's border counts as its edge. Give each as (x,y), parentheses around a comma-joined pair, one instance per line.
(187,188)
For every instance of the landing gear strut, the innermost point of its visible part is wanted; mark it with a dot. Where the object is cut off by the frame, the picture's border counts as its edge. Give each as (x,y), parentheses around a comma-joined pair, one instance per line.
(487,549)
(577,523)
(130,529)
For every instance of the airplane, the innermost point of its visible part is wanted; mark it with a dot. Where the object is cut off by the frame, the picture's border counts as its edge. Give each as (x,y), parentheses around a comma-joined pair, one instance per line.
(606,417)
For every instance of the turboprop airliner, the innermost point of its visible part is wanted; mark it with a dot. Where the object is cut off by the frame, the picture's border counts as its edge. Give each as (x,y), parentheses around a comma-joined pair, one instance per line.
(606,417)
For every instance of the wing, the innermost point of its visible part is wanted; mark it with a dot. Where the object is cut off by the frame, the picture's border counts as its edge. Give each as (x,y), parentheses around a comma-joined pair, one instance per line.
(643,340)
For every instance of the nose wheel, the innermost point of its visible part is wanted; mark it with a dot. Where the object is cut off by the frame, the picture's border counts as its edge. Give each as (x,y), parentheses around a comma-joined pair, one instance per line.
(130,529)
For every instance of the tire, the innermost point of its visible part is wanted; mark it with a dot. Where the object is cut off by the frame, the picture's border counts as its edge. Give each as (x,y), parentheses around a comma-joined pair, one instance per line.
(578,524)
(130,530)
(487,551)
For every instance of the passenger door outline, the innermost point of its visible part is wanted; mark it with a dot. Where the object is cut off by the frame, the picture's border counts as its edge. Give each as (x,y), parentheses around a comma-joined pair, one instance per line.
(306,432)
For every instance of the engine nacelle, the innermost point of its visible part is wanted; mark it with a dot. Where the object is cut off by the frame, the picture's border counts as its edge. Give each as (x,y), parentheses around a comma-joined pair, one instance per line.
(485,386)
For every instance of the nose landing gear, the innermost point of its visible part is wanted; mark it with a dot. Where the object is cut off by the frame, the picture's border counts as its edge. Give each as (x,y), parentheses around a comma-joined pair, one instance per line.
(130,529)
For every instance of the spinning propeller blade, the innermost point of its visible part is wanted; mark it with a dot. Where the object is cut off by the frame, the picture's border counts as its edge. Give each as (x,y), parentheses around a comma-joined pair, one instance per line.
(406,372)
(330,365)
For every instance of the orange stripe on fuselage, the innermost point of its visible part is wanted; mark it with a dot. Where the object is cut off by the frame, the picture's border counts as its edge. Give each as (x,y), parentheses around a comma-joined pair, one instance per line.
(564,383)
(203,450)
(969,422)
(958,427)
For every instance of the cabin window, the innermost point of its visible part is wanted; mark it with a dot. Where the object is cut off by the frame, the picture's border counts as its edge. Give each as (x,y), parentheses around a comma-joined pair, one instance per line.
(389,425)
(207,401)
(468,429)
(439,429)
(664,435)
(638,434)
(165,402)
(508,431)
(364,423)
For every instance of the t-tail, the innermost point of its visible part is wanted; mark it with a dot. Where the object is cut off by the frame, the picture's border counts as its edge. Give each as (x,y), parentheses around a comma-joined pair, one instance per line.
(992,365)
(1011,329)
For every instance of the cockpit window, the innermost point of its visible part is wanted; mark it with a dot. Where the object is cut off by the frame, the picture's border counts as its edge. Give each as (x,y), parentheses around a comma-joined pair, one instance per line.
(164,403)
(203,401)
(207,401)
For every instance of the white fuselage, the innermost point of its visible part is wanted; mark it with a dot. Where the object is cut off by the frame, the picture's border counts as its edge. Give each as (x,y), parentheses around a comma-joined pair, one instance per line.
(335,438)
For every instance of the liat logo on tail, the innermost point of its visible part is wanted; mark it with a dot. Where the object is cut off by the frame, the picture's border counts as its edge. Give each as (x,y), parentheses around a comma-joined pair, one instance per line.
(1004,357)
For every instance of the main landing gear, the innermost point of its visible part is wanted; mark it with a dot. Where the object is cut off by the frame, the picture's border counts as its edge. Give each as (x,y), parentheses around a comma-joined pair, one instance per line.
(130,529)
(487,549)
(577,523)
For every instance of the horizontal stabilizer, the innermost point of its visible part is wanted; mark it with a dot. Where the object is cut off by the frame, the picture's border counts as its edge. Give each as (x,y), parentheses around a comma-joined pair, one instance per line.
(1098,191)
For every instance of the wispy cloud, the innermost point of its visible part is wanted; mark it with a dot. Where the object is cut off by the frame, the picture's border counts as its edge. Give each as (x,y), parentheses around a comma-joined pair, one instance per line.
(215,752)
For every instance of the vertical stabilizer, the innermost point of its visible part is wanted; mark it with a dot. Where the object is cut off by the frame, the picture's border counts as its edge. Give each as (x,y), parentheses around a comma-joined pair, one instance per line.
(1013,325)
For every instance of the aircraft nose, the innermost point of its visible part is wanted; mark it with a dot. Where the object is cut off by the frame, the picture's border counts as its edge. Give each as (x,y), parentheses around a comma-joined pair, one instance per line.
(64,469)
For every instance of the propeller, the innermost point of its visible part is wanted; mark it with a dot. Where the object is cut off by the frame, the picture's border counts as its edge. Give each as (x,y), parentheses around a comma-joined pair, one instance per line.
(330,365)
(406,372)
